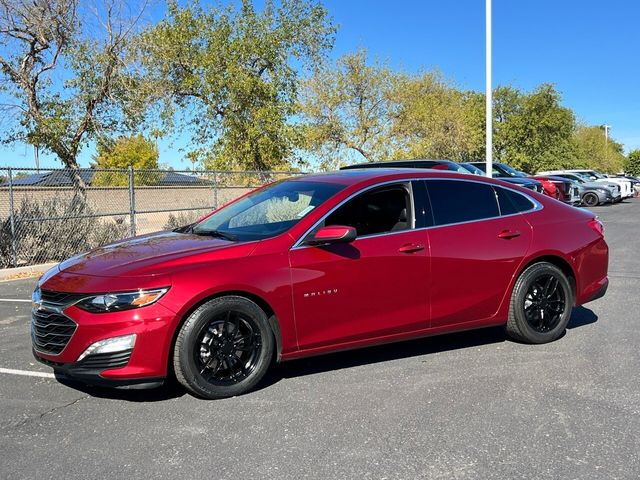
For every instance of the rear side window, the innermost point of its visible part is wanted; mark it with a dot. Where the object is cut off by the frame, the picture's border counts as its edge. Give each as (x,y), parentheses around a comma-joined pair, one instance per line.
(512,202)
(455,201)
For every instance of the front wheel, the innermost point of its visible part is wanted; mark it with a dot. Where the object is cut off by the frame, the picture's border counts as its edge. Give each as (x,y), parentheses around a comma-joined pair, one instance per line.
(224,348)
(541,304)
(590,199)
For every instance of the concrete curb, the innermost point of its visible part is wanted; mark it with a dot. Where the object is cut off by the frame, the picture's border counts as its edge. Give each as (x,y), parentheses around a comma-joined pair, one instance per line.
(8,274)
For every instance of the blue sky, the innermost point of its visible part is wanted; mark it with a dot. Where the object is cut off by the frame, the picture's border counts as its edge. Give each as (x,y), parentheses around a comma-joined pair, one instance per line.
(588,49)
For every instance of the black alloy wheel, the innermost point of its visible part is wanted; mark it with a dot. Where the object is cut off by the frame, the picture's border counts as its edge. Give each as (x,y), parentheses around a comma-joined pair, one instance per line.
(224,348)
(544,303)
(229,348)
(590,199)
(541,304)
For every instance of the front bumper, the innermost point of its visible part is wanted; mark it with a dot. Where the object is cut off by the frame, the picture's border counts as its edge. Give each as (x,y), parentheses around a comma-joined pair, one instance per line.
(147,361)
(89,371)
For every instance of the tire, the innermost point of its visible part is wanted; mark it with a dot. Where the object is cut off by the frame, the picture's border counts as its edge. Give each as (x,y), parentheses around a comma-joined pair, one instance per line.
(538,312)
(210,338)
(590,199)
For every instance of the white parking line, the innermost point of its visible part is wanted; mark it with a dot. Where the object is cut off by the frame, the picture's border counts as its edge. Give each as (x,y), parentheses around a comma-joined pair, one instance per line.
(14,300)
(27,373)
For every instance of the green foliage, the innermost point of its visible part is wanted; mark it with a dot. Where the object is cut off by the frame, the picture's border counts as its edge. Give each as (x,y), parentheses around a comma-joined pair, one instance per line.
(229,74)
(532,131)
(593,150)
(345,111)
(125,152)
(632,163)
(69,81)
(435,120)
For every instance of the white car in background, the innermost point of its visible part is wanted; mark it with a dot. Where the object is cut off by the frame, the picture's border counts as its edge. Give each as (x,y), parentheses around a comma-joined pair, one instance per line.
(626,187)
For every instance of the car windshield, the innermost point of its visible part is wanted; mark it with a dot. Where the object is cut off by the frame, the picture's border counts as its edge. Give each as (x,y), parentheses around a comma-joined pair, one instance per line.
(472,168)
(495,173)
(512,172)
(594,174)
(266,212)
(583,176)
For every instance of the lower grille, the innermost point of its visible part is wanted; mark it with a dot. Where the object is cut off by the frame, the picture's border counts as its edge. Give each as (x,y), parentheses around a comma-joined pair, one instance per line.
(104,361)
(51,331)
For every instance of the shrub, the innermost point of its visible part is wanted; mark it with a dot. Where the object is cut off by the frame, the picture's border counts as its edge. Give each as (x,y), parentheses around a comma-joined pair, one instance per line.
(47,231)
(183,218)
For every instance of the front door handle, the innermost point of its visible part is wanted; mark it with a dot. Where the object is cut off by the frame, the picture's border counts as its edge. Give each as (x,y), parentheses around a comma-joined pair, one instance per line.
(411,248)
(507,234)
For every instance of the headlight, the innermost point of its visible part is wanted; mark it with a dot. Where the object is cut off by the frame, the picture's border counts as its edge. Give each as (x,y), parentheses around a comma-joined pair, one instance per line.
(116,302)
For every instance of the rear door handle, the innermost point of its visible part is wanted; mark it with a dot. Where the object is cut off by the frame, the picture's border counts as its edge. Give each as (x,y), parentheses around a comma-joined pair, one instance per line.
(507,234)
(411,248)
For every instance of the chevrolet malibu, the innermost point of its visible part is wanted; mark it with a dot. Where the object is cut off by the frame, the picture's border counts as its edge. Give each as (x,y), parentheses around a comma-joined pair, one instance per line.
(316,264)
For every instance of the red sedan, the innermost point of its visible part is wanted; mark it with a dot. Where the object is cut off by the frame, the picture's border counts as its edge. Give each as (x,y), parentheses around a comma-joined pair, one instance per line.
(316,264)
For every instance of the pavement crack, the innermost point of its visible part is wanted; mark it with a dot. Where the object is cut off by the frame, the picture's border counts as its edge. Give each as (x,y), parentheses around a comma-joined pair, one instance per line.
(40,416)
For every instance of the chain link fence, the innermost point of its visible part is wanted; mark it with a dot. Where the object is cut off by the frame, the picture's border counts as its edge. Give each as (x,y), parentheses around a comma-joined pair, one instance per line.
(50,215)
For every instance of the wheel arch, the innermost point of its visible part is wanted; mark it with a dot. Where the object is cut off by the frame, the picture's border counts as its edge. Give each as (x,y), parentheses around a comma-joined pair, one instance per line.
(557,261)
(258,300)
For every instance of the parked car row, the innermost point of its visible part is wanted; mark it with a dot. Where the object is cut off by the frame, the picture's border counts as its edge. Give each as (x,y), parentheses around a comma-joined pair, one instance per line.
(575,187)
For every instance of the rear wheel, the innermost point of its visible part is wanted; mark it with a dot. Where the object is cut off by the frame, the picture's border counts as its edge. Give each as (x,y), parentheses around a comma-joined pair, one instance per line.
(541,304)
(590,199)
(224,348)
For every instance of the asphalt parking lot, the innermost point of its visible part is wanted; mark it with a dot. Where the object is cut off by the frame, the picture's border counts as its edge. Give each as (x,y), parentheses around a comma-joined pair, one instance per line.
(468,405)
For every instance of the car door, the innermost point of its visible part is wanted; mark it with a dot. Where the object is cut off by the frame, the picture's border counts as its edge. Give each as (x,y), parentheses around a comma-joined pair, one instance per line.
(475,250)
(375,286)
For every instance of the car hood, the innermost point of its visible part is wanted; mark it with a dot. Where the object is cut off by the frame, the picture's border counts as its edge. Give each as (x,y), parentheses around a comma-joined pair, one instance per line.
(153,254)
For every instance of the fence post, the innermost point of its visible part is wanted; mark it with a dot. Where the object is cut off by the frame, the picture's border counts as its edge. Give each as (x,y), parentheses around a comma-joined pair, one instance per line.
(132,203)
(215,189)
(12,221)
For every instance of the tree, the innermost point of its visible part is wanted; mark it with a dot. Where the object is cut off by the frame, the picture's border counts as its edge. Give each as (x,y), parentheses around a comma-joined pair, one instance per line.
(436,120)
(532,131)
(632,163)
(135,151)
(64,77)
(595,151)
(227,76)
(346,109)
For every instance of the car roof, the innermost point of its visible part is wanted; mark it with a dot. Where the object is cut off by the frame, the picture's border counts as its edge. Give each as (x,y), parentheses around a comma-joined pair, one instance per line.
(418,163)
(374,175)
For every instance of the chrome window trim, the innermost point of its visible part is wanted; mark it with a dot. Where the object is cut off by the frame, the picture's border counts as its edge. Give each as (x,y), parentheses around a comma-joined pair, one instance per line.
(406,183)
(537,207)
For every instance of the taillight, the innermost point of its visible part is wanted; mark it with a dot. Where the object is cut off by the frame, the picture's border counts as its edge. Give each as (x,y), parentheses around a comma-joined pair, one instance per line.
(597,226)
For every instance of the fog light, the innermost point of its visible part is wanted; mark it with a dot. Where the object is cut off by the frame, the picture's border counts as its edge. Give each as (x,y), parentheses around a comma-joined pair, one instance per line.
(110,345)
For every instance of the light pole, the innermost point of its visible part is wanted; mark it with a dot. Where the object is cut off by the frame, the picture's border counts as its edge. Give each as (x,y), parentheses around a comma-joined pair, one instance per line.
(488,92)
(606,142)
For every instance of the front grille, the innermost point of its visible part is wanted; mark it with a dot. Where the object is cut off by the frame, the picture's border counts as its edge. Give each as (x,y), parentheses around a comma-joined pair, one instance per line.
(51,331)
(104,361)
(60,299)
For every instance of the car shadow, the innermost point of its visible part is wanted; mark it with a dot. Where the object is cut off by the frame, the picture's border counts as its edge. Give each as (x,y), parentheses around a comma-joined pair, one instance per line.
(168,390)
(424,346)
(335,361)
(580,317)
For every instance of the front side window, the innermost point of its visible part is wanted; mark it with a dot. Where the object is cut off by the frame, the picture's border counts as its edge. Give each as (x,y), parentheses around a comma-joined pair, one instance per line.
(269,211)
(454,201)
(381,210)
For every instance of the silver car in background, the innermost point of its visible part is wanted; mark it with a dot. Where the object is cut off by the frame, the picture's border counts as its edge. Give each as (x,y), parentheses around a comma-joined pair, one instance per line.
(626,187)
(592,193)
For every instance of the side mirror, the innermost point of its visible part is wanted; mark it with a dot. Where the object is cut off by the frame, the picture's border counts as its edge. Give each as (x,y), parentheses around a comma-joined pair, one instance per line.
(333,234)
